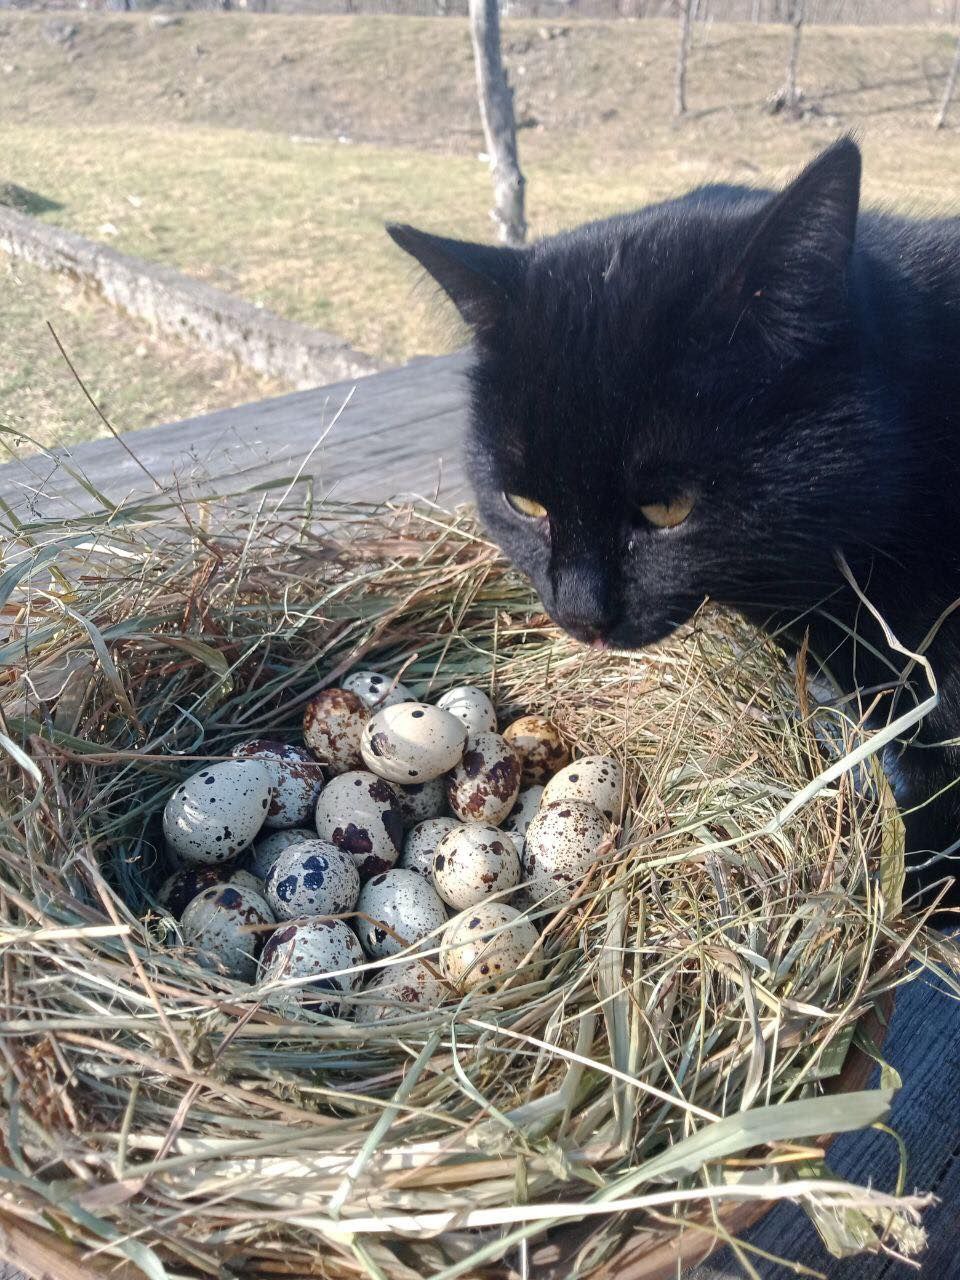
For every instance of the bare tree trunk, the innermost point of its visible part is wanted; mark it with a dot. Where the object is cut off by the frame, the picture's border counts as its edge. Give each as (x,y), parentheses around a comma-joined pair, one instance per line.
(951,85)
(683,54)
(755,14)
(797,16)
(499,124)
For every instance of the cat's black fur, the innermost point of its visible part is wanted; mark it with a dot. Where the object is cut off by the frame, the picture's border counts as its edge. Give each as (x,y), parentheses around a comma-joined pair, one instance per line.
(793,366)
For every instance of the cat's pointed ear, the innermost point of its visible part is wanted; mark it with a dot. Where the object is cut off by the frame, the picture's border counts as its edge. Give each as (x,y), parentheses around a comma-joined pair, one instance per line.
(480,279)
(793,270)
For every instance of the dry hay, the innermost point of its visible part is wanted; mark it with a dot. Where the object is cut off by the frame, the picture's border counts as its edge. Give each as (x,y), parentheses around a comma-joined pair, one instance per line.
(698,991)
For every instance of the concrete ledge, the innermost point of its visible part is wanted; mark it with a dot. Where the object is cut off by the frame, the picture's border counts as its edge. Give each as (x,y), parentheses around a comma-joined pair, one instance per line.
(175,305)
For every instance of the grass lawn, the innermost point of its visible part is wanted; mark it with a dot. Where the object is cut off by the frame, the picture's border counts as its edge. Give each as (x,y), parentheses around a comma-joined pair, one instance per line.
(263,154)
(136,379)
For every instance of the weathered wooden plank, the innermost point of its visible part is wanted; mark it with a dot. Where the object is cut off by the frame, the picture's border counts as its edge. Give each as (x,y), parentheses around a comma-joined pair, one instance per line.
(389,432)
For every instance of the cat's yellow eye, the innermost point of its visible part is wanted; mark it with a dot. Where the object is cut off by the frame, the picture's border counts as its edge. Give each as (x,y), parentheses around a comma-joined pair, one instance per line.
(526,506)
(667,515)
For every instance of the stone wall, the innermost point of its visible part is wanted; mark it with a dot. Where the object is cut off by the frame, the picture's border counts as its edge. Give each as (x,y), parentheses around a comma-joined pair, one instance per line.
(177,306)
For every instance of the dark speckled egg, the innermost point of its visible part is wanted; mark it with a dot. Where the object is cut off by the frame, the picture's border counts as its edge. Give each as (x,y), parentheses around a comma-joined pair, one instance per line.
(314,878)
(360,813)
(324,953)
(486,782)
(220,924)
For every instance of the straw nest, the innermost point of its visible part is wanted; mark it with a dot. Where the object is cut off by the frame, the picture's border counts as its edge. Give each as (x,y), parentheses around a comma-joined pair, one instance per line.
(696,993)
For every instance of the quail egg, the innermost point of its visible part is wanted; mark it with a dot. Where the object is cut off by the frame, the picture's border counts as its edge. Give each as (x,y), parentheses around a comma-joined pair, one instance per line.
(472,706)
(484,945)
(522,814)
(298,780)
(484,785)
(562,843)
(473,862)
(332,724)
(412,742)
(267,848)
(217,812)
(360,813)
(421,844)
(180,888)
(403,902)
(375,690)
(537,742)
(400,991)
(220,924)
(423,800)
(596,779)
(324,951)
(312,879)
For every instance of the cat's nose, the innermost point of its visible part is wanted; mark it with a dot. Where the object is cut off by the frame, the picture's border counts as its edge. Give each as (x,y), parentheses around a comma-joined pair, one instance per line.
(582,604)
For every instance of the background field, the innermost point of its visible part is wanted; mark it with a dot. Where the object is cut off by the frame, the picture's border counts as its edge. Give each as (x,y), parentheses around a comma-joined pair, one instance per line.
(263,154)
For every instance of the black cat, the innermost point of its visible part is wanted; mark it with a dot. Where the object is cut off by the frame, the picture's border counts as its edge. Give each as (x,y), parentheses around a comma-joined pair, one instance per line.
(711,398)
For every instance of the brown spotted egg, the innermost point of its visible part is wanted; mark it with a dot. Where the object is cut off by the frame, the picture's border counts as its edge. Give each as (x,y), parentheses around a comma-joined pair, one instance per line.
(332,724)
(485,784)
(397,903)
(423,800)
(595,779)
(180,888)
(472,706)
(376,690)
(485,944)
(412,742)
(474,862)
(298,780)
(401,991)
(537,742)
(216,812)
(421,844)
(563,841)
(521,815)
(360,813)
(312,879)
(220,924)
(324,953)
(268,846)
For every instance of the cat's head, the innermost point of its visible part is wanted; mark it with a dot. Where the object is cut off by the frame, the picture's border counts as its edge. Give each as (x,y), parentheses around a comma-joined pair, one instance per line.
(667,406)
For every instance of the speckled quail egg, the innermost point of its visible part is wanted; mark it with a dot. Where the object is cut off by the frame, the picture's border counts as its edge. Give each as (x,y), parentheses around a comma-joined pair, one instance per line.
(562,843)
(472,706)
(268,846)
(421,844)
(412,742)
(219,922)
(521,815)
(401,991)
(180,888)
(314,878)
(537,742)
(325,951)
(374,689)
(298,780)
(216,813)
(422,801)
(596,779)
(332,724)
(474,862)
(485,784)
(484,945)
(360,813)
(405,903)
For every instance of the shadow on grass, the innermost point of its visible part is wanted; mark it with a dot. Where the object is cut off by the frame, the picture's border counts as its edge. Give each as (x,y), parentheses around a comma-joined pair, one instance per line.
(25,201)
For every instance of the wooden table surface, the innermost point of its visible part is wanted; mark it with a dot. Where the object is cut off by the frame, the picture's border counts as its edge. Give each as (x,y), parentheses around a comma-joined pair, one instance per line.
(399,432)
